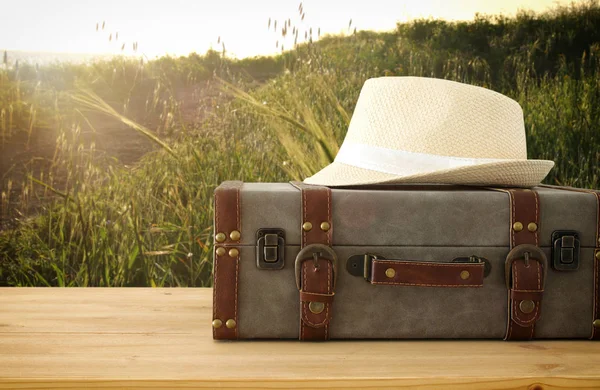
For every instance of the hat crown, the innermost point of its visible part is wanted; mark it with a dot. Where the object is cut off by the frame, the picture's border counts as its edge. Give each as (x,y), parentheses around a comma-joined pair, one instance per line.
(439,117)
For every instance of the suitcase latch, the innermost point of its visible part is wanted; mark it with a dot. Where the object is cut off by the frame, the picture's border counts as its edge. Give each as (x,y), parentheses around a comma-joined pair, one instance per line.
(565,250)
(270,248)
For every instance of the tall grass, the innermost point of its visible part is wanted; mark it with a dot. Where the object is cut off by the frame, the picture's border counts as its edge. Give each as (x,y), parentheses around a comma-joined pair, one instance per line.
(100,223)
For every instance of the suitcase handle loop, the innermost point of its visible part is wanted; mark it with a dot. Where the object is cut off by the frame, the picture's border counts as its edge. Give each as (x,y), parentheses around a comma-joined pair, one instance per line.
(526,252)
(361,265)
(313,252)
(379,271)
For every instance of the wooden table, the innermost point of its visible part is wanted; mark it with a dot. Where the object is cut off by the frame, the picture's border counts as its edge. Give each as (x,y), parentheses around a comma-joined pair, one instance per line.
(161,338)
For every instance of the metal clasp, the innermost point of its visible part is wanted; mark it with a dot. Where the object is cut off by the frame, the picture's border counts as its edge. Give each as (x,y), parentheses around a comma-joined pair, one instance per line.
(565,250)
(270,248)
(314,252)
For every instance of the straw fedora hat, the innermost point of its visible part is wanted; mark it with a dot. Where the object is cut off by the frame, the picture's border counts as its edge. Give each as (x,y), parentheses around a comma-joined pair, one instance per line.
(425,130)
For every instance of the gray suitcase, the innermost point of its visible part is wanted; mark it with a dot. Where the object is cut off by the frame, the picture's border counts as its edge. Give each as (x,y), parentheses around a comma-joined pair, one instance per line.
(403,262)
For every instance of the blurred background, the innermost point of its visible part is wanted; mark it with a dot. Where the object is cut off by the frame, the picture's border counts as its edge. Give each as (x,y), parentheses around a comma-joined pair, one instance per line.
(119,118)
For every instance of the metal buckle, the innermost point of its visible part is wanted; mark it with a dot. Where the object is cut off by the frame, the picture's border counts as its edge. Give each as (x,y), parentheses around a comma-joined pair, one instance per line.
(313,252)
(527,252)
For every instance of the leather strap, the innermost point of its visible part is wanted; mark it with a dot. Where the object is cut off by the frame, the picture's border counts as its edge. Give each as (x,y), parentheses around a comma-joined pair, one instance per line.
(317,275)
(596,305)
(596,261)
(526,287)
(314,297)
(428,274)
(525,209)
(226,260)
(525,271)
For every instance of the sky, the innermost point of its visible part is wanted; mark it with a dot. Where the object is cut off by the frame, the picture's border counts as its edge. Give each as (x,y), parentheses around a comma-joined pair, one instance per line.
(178,27)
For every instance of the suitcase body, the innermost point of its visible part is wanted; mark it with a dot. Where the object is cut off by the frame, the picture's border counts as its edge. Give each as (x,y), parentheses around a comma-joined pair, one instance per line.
(403,262)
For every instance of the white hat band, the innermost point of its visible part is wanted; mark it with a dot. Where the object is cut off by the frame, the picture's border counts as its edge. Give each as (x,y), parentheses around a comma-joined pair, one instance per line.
(400,162)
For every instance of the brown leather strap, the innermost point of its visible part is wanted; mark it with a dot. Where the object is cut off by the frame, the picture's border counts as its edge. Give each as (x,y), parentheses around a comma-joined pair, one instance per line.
(314,297)
(316,275)
(524,297)
(596,315)
(428,274)
(316,210)
(596,260)
(596,305)
(525,271)
(525,210)
(226,260)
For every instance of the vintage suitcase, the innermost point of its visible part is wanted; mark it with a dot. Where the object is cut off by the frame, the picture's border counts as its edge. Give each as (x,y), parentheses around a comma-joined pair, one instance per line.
(405,261)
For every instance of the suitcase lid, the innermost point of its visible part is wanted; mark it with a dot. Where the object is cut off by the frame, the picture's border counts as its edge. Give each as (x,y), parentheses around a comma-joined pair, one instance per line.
(409,215)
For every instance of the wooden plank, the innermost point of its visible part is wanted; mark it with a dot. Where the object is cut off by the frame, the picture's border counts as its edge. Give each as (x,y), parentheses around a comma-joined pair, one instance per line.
(161,338)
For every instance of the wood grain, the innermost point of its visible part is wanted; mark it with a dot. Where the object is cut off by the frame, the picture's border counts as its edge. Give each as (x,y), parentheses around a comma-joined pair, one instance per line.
(161,338)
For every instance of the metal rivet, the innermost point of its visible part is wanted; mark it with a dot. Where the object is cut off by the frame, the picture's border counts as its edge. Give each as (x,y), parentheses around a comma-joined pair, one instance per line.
(220,237)
(230,323)
(234,235)
(390,272)
(307,226)
(532,227)
(220,251)
(527,306)
(325,226)
(464,275)
(316,307)
(217,323)
(598,255)
(517,226)
(233,252)
(596,323)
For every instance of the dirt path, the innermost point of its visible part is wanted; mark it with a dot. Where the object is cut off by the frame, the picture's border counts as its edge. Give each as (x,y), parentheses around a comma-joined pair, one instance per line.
(112,138)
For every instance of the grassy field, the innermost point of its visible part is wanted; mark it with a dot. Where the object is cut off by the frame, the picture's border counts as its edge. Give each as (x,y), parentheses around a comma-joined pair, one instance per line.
(76,214)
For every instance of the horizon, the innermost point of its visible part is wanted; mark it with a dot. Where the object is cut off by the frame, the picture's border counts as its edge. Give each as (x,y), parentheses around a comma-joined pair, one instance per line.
(200,26)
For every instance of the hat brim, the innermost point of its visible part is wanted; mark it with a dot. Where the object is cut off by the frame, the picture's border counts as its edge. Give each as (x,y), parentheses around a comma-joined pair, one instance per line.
(509,173)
